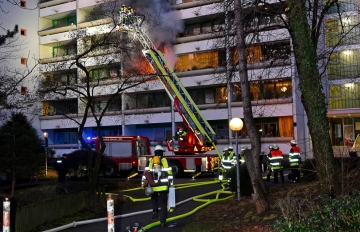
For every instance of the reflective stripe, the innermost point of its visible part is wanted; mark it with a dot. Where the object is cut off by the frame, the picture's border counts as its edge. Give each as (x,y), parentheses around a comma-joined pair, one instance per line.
(276,157)
(58,161)
(275,164)
(170,177)
(294,160)
(160,188)
(164,180)
(162,169)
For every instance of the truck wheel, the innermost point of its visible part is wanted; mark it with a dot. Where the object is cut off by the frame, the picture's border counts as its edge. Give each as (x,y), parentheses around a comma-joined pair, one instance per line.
(110,170)
(177,168)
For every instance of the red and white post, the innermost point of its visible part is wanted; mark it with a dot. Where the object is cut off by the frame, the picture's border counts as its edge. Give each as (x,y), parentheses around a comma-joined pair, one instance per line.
(6,215)
(110,214)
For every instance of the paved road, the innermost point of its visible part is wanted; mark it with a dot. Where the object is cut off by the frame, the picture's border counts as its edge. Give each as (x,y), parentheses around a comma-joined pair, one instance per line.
(143,209)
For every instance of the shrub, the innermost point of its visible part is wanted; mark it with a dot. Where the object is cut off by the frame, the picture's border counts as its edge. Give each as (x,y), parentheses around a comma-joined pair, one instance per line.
(47,192)
(339,214)
(245,180)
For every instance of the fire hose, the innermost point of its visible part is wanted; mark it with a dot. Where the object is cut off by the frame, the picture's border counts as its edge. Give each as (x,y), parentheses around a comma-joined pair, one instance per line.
(199,198)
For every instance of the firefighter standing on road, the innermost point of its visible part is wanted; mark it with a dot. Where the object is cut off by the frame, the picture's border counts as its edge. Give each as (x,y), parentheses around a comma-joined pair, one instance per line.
(61,166)
(295,160)
(159,175)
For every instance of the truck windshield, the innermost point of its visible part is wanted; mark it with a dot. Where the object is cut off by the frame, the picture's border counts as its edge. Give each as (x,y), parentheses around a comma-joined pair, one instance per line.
(140,147)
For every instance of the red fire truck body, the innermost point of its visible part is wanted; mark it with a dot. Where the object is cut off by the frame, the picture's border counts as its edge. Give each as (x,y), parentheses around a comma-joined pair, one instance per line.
(131,153)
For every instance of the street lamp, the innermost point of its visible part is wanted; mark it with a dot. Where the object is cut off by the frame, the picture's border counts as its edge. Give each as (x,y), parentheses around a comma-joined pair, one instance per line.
(236,124)
(45,134)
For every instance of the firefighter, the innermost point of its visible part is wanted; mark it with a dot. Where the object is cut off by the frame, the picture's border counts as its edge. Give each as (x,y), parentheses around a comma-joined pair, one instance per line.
(295,160)
(242,154)
(181,133)
(159,175)
(61,166)
(275,159)
(227,159)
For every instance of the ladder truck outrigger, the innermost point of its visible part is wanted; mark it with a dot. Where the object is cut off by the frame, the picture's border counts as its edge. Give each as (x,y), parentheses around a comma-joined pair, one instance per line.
(200,137)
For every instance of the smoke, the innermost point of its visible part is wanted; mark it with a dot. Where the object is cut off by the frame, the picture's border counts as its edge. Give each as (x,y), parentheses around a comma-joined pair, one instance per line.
(161,24)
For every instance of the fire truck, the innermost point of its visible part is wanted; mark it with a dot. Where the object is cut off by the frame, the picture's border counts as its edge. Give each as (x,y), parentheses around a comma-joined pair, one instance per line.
(200,138)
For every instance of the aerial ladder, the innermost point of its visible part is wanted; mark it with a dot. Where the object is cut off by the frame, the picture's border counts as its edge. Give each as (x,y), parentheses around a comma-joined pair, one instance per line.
(200,136)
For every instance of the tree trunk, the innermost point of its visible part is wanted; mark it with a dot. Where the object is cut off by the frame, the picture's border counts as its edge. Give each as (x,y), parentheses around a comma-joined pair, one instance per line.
(251,160)
(313,98)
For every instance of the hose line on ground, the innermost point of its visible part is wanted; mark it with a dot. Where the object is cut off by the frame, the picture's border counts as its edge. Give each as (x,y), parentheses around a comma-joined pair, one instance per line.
(198,198)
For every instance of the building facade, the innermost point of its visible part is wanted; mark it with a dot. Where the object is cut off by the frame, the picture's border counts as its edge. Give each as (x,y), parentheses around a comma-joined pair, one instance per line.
(205,59)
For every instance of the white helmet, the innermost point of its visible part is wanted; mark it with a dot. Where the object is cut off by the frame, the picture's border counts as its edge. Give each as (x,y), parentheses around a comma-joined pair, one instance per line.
(231,148)
(293,142)
(275,147)
(159,148)
(226,149)
(271,147)
(243,148)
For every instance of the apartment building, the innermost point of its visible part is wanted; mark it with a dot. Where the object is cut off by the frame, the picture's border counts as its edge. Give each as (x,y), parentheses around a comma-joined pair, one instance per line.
(18,56)
(204,62)
(206,56)
(342,39)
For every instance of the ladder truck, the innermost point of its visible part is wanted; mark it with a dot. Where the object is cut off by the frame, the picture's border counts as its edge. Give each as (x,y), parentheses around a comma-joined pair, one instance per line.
(200,137)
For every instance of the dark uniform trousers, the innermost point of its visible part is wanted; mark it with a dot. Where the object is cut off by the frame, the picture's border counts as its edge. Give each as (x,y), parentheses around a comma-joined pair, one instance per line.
(160,197)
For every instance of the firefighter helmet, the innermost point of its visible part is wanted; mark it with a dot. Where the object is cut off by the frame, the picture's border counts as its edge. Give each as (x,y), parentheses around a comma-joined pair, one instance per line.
(159,148)
(271,147)
(226,149)
(243,148)
(293,142)
(230,148)
(275,147)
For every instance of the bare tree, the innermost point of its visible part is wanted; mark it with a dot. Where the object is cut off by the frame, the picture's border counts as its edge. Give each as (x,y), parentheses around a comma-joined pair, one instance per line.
(106,63)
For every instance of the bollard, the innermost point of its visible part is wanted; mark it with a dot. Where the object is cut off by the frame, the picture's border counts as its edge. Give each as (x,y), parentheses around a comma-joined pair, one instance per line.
(110,214)
(6,215)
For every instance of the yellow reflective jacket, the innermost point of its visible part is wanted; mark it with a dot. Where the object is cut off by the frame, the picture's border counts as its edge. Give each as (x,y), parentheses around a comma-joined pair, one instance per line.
(162,175)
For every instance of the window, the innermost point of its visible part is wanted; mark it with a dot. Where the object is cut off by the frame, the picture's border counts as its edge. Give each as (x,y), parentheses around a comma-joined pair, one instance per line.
(196,61)
(269,89)
(348,65)
(342,32)
(23,60)
(344,96)
(272,127)
(65,136)
(107,131)
(23,3)
(63,78)
(63,107)
(64,50)
(221,95)
(335,91)
(23,90)
(149,100)
(100,103)
(344,5)
(64,22)
(100,73)
(22,32)
(334,58)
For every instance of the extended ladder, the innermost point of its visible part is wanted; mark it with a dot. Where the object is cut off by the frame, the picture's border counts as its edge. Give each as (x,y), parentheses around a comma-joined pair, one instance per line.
(192,116)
